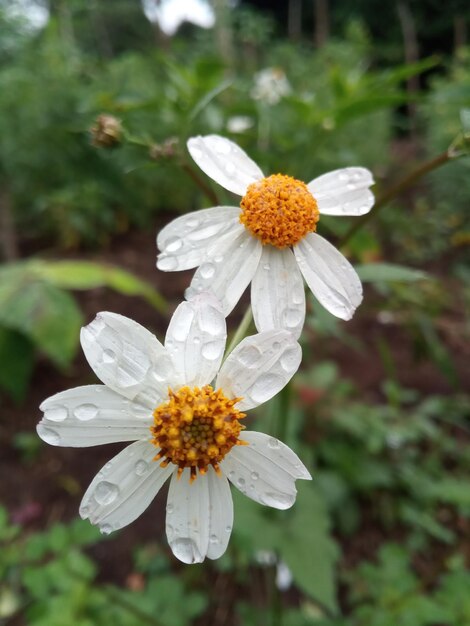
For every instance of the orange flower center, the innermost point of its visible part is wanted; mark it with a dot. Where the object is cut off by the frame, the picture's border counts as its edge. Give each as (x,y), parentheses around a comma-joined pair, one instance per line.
(196,428)
(279,210)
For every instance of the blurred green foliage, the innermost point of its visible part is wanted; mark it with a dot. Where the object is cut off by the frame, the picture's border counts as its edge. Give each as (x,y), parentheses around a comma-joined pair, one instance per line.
(389,469)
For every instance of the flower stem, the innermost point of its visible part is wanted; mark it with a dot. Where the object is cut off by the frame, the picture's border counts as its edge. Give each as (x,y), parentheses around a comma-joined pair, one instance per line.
(395,190)
(203,186)
(241,331)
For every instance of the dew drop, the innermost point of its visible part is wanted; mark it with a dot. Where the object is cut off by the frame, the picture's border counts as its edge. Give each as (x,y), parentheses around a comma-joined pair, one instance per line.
(254,475)
(106,529)
(186,550)
(141,467)
(86,412)
(273,443)
(266,266)
(264,387)
(193,222)
(228,529)
(197,340)
(276,346)
(169,509)
(292,317)
(173,244)
(343,177)
(231,474)
(351,186)
(214,539)
(212,350)
(241,482)
(207,270)
(218,258)
(167,263)
(56,413)
(108,356)
(48,435)
(249,356)
(182,323)
(222,147)
(84,511)
(105,492)
(289,360)
(278,500)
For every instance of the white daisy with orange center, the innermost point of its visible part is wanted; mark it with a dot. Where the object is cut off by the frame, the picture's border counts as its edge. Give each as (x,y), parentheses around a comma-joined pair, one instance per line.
(184,412)
(270,240)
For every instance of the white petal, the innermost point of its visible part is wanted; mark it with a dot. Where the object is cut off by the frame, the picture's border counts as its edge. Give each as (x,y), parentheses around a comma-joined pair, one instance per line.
(188,518)
(228,270)
(221,513)
(185,242)
(332,279)
(259,367)
(128,358)
(277,452)
(92,415)
(344,191)
(195,339)
(124,487)
(277,292)
(224,162)
(264,477)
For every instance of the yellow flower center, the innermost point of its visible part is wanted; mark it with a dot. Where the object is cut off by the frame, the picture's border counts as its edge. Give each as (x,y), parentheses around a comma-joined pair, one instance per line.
(279,210)
(196,428)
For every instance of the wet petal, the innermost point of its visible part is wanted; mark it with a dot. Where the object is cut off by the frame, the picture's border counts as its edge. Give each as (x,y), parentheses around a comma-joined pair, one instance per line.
(195,339)
(228,270)
(124,487)
(263,476)
(344,191)
(188,518)
(224,162)
(92,415)
(221,508)
(332,279)
(186,241)
(259,367)
(128,358)
(277,292)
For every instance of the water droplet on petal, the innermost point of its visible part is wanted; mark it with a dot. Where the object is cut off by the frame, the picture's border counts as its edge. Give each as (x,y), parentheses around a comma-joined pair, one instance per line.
(254,475)
(351,186)
(169,509)
(278,500)
(289,360)
(273,443)
(48,435)
(167,263)
(193,222)
(249,356)
(86,412)
(173,244)
(106,529)
(186,550)
(207,270)
(84,511)
(214,539)
(108,356)
(266,266)
(141,467)
(343,177)
(212,350)
(180,329)
(228,529)
(292,317)
(240,482)
(230,169)
(105,492)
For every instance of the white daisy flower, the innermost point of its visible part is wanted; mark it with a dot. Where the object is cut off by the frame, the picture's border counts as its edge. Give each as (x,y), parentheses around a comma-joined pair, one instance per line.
(270,240)
(270,86)
(184,429)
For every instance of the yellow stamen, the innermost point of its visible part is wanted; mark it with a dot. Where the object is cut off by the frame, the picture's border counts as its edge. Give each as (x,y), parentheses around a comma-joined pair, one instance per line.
(196,428)
(279,210)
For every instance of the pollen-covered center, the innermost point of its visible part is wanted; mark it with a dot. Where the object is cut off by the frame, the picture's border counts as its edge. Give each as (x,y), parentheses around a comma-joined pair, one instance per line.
(279,210)
(196,428)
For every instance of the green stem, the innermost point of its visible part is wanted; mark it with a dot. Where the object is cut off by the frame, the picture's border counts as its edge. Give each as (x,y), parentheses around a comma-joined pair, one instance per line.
(395,190)
(241,331)
(203,186)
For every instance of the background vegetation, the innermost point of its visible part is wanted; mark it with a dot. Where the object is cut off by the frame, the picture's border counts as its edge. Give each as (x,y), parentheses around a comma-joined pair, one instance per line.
(95,109)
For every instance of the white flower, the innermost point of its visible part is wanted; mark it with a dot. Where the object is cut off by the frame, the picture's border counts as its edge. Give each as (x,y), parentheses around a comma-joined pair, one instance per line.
(239,123)
(270,85)
(269,240)
(159,396)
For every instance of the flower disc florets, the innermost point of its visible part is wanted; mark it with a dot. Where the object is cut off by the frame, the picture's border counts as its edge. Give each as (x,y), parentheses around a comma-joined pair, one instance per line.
(279,210)
(196,428)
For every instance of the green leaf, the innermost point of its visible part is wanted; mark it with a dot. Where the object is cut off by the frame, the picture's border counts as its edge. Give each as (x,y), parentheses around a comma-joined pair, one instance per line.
(300,537)
(388,272)
(88,275)
(17,358)
(48,316)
